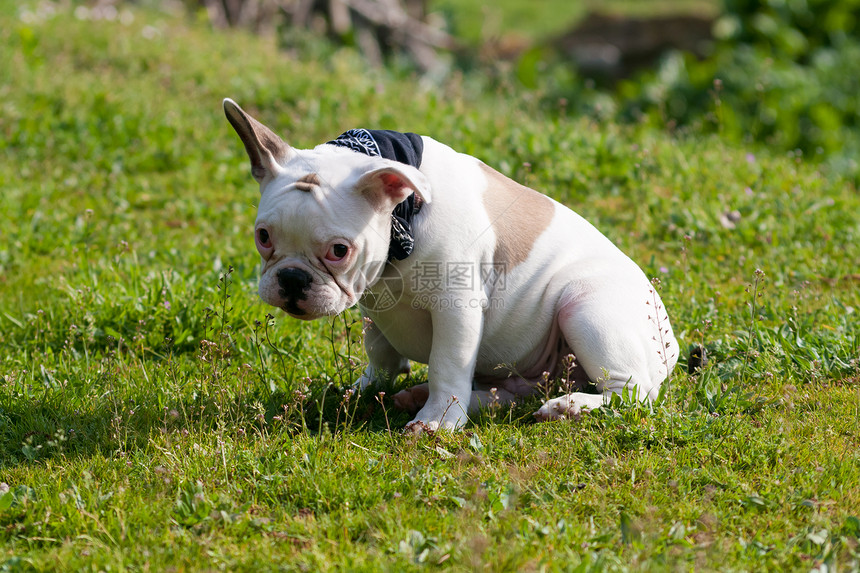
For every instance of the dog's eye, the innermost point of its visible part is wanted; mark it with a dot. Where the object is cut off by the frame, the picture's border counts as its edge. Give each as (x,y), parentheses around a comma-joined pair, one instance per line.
(336,252)
(263,238)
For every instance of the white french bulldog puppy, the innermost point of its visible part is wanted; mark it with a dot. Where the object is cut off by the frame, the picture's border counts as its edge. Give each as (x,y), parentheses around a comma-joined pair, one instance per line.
(489,283)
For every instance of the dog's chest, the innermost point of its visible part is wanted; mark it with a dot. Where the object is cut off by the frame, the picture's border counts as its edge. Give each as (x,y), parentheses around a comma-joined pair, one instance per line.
(409,330)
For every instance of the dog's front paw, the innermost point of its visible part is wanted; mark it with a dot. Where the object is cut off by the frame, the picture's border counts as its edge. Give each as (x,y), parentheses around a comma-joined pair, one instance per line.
(434,417)
(568,406)
(417,428)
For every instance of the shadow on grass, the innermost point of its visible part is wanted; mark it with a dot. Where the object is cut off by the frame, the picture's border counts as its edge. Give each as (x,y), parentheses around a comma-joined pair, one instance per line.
(33,430)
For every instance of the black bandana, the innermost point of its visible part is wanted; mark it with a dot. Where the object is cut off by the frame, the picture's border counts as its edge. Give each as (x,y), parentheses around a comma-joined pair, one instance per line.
(402,147)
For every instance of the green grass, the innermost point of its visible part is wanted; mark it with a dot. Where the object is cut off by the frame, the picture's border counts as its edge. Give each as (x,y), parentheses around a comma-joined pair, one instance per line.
(153,417)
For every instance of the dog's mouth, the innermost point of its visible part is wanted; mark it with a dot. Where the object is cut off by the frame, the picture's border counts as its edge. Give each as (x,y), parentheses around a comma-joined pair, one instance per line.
(308,298)
(291,307)
(310,311)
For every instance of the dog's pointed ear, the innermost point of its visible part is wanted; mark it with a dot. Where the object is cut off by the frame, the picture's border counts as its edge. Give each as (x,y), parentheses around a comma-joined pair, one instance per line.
(388,186)
(266,150)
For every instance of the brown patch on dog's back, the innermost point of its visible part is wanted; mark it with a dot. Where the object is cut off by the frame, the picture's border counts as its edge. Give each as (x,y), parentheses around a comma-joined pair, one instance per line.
(519,216)
(308,182)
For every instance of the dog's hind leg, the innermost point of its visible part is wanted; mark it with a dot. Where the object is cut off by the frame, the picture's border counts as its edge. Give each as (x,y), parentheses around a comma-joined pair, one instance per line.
(620,346)
(413,398)
(500,392)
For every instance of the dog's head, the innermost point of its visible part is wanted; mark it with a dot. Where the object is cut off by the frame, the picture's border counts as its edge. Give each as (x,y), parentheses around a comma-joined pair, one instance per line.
(324,221)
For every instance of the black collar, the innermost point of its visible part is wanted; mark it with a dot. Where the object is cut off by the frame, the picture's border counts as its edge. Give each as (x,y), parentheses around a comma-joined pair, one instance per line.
(403,147)
(402,236)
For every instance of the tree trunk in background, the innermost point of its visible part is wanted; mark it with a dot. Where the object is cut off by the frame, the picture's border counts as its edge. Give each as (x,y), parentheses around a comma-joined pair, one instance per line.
(378,27)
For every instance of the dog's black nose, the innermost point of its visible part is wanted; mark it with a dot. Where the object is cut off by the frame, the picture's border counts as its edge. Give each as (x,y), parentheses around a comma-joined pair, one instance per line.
(294,282)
